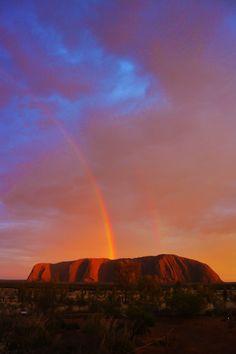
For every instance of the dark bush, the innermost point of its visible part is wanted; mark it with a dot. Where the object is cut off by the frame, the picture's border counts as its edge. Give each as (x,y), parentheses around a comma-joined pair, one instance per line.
(26,335)
(111,308)
(142,318)
(185,303)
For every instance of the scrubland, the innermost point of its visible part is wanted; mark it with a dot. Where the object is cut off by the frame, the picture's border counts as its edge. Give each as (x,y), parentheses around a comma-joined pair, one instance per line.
(126,318)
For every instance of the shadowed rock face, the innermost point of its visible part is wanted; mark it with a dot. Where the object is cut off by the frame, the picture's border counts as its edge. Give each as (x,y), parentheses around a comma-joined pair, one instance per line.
(163,269)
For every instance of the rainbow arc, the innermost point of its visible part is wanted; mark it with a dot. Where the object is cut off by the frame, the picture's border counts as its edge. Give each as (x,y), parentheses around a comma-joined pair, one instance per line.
(95,187)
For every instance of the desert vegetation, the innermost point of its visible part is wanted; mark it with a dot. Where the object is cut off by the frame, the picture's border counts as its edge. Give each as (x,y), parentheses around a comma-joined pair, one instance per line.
(80,318)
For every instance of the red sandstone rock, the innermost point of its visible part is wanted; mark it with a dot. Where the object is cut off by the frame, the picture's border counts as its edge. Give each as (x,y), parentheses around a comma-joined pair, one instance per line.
(164,269)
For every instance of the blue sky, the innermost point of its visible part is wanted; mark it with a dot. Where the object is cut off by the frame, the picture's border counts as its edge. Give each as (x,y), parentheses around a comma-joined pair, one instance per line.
(145,91)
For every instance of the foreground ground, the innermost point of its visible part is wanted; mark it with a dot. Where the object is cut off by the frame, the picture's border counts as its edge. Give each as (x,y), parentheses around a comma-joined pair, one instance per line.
(204,335)
(144,319)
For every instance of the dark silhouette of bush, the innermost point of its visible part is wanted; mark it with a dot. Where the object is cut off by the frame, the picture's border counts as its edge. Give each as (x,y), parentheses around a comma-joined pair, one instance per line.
(98,335)
(26,335)
(111,308)
(142,318)
(185,303)
(120,338)
(46,298)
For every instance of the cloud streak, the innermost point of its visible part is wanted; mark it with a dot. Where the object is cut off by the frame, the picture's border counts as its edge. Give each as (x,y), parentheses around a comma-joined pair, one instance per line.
(147,90)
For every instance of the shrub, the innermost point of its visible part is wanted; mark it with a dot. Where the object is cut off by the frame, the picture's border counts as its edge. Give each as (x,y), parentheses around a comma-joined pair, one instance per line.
(26,335)
(182,303)
(111,308)
(142,317)
(46,298)
(120,339)
(91,336)
(98,335)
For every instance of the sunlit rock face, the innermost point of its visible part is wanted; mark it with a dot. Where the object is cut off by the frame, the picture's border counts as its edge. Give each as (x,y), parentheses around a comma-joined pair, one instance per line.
(163,269)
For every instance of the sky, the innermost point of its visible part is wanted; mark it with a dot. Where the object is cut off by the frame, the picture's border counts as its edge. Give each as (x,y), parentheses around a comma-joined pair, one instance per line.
(117,131)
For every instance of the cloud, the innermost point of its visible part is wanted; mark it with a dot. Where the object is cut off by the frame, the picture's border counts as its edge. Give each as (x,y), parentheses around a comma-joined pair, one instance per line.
(146,92)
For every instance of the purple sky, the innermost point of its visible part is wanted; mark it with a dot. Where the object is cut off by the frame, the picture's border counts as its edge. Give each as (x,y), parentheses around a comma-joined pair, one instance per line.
(145,91)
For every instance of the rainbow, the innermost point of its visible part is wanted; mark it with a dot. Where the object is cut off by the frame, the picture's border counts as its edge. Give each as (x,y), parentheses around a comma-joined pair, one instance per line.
(154,222)
(94,185)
